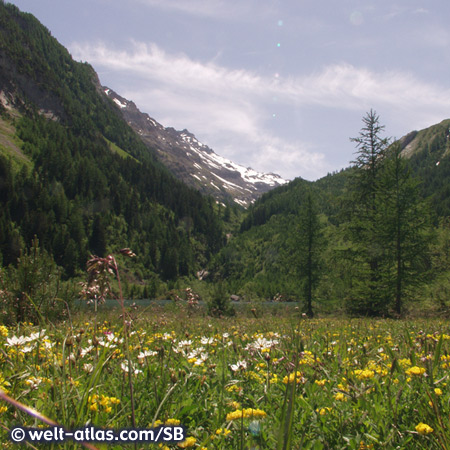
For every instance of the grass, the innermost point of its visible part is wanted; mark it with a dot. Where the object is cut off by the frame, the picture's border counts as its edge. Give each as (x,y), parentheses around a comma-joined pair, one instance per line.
(116,149)
(10,146)
(245,383)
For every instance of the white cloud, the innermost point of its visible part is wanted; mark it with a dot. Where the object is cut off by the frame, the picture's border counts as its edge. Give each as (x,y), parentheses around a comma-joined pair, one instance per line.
(232,107)
(218,9)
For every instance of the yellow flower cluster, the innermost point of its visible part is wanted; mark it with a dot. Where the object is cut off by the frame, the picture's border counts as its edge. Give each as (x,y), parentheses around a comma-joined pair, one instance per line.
(363,446)
(246,413)
(364,374)
(340,396)
(445,361)
(308,358)
(234,388)
(255,377)
(4,384)
(415,371)
(424,429)
(188,442)
(168,422)
(294,376)
(323,411)
(379,369)
(223,432)
(102,400)
(3,331)
(405,362)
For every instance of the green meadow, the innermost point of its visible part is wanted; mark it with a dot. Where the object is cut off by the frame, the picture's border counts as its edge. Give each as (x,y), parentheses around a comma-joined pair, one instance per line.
(273,382)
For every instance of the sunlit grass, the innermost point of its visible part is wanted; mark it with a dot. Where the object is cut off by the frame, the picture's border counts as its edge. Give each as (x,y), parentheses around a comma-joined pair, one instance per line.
(267,383)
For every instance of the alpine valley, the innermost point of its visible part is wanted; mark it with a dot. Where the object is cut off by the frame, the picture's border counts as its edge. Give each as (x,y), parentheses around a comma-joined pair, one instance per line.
(83,172)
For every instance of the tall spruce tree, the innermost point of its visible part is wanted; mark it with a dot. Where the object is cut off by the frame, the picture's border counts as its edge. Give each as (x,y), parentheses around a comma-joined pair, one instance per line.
(366,298)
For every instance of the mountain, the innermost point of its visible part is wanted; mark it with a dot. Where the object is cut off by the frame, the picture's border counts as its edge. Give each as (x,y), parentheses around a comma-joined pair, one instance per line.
(74,174)
(195,163)
(428,151)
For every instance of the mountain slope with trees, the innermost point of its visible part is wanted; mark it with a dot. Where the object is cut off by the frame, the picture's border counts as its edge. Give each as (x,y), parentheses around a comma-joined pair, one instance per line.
(74,174)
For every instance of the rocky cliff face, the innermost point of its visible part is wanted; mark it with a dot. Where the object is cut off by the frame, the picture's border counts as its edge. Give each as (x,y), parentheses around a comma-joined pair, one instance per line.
(195,163)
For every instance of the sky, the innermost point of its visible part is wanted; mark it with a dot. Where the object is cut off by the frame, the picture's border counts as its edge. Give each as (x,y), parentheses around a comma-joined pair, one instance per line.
(277,85)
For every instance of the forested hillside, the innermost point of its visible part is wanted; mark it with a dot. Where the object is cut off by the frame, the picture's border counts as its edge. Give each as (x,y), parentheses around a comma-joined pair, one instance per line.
(76,176)
(379,243)
(429,154)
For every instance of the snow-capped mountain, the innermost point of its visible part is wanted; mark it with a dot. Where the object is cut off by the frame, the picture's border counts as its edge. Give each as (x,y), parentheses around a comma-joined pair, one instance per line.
(195,163)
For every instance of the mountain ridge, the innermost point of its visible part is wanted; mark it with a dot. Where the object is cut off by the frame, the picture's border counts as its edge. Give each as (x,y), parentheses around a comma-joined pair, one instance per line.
(195,163)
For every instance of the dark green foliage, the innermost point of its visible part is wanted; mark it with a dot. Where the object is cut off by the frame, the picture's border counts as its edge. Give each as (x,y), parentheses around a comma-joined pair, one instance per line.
(310,245)
(283,200)
(388,226)
(404,223)
(366,297)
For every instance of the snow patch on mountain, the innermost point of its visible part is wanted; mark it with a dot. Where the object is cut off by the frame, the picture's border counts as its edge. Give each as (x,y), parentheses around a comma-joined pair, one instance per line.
(194,162)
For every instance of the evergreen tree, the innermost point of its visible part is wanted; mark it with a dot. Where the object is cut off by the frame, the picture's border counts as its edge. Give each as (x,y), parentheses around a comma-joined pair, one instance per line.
(366,297)
(310,240)
(404,224)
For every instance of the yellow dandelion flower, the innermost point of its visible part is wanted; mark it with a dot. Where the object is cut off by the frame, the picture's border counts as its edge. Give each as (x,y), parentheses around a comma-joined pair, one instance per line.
(437,391)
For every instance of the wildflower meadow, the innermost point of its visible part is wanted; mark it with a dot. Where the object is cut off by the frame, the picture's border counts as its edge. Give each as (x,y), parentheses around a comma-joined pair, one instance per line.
(273,382)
